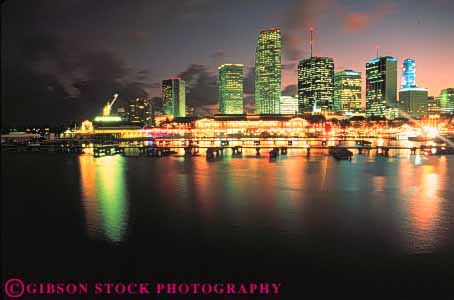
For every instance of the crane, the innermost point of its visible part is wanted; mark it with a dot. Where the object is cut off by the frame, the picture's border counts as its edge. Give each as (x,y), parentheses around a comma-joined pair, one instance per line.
(106,109)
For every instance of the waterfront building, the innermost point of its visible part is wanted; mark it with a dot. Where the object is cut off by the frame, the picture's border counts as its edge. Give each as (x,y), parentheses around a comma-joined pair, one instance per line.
(122,113)
(447,101)
(347,91)
(231,89)
(315,84)
(268,72)
(139,111)
(381,85)
(408,74)
(413,102)
(174,97)
(289,105)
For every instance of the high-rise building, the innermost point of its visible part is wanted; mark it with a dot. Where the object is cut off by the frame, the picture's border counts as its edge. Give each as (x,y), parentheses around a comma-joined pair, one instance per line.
(381,85)
(408,74)
(268,72)
(231,89)
(347,91)
(447,101)
(289,105)
(413,102)
(139,111)
(174,97)
(315,83)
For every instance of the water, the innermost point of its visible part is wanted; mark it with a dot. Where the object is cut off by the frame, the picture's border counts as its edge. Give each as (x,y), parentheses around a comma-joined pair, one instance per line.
(373,220)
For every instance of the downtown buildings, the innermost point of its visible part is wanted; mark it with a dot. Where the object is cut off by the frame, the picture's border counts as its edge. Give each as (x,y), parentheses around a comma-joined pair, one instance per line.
(140,111)
(174,97)
(408,74)
(347,92)
(315,84)
(268,72)
(447,101)
(381,86)
(289,105)
(231,89)
(413,101)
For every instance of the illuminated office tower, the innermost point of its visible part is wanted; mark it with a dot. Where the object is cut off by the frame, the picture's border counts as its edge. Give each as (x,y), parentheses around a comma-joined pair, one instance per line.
(414,102)
(289,105)
(268,72)
(139,111)
(231,89)
(174,97)
(315,83)
(408,74)
(447,101)
(347,91)
(381,85)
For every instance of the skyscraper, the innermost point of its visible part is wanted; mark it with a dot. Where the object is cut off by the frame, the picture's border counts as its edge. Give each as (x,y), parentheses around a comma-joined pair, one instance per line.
(408,73)
(139,111)
(315,83)
(231,89)
(447,101)
(174,97)
(413,102)
(268,72)
(289,105)
(347,91)
(381,85)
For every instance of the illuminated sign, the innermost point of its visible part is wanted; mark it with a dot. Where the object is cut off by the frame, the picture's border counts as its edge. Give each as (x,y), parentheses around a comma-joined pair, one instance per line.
(108,119)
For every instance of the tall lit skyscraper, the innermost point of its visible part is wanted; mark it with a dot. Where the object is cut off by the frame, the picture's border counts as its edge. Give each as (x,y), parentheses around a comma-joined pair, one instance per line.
(408,74)
(174,97)
(289,105)
(315,83)
(347,91)
(268,72)
(139,111)
(447,101)
(381,85)
(231,89)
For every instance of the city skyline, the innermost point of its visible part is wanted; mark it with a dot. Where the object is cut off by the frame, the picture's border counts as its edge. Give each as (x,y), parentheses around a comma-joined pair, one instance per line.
(344,30)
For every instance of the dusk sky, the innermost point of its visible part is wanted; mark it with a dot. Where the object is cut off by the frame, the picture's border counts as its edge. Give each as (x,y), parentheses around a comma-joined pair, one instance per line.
(61,60)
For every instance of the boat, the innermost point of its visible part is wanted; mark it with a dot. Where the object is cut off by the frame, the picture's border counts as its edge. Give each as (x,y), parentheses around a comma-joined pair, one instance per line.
(341,154)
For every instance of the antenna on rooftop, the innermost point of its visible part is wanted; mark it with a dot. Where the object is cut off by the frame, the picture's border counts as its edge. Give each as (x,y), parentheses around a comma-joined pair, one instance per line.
(311,29)
(377,48)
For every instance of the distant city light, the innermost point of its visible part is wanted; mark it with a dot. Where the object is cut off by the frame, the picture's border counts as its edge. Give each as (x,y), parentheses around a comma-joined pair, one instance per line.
(108,119)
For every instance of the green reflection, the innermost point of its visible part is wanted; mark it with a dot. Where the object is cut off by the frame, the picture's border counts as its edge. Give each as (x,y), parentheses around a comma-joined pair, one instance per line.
(105,197)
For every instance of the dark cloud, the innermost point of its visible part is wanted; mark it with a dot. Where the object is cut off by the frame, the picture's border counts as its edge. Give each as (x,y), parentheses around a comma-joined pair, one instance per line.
(290,90)
(299,18)
(201,86)
(43,81)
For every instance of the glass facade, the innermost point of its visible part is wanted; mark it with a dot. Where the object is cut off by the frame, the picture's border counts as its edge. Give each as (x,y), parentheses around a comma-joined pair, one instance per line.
(174,97)
(381,85)
(347,91)
(231,89)
(315,83)
(408,74)
(447,101)
(268,72)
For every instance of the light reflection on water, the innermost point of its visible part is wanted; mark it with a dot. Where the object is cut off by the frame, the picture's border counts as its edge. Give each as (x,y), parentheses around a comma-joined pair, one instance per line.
(104,196)
(404,201)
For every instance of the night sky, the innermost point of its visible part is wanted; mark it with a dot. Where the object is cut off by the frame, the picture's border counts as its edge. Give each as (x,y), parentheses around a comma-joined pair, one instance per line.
(61,60)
